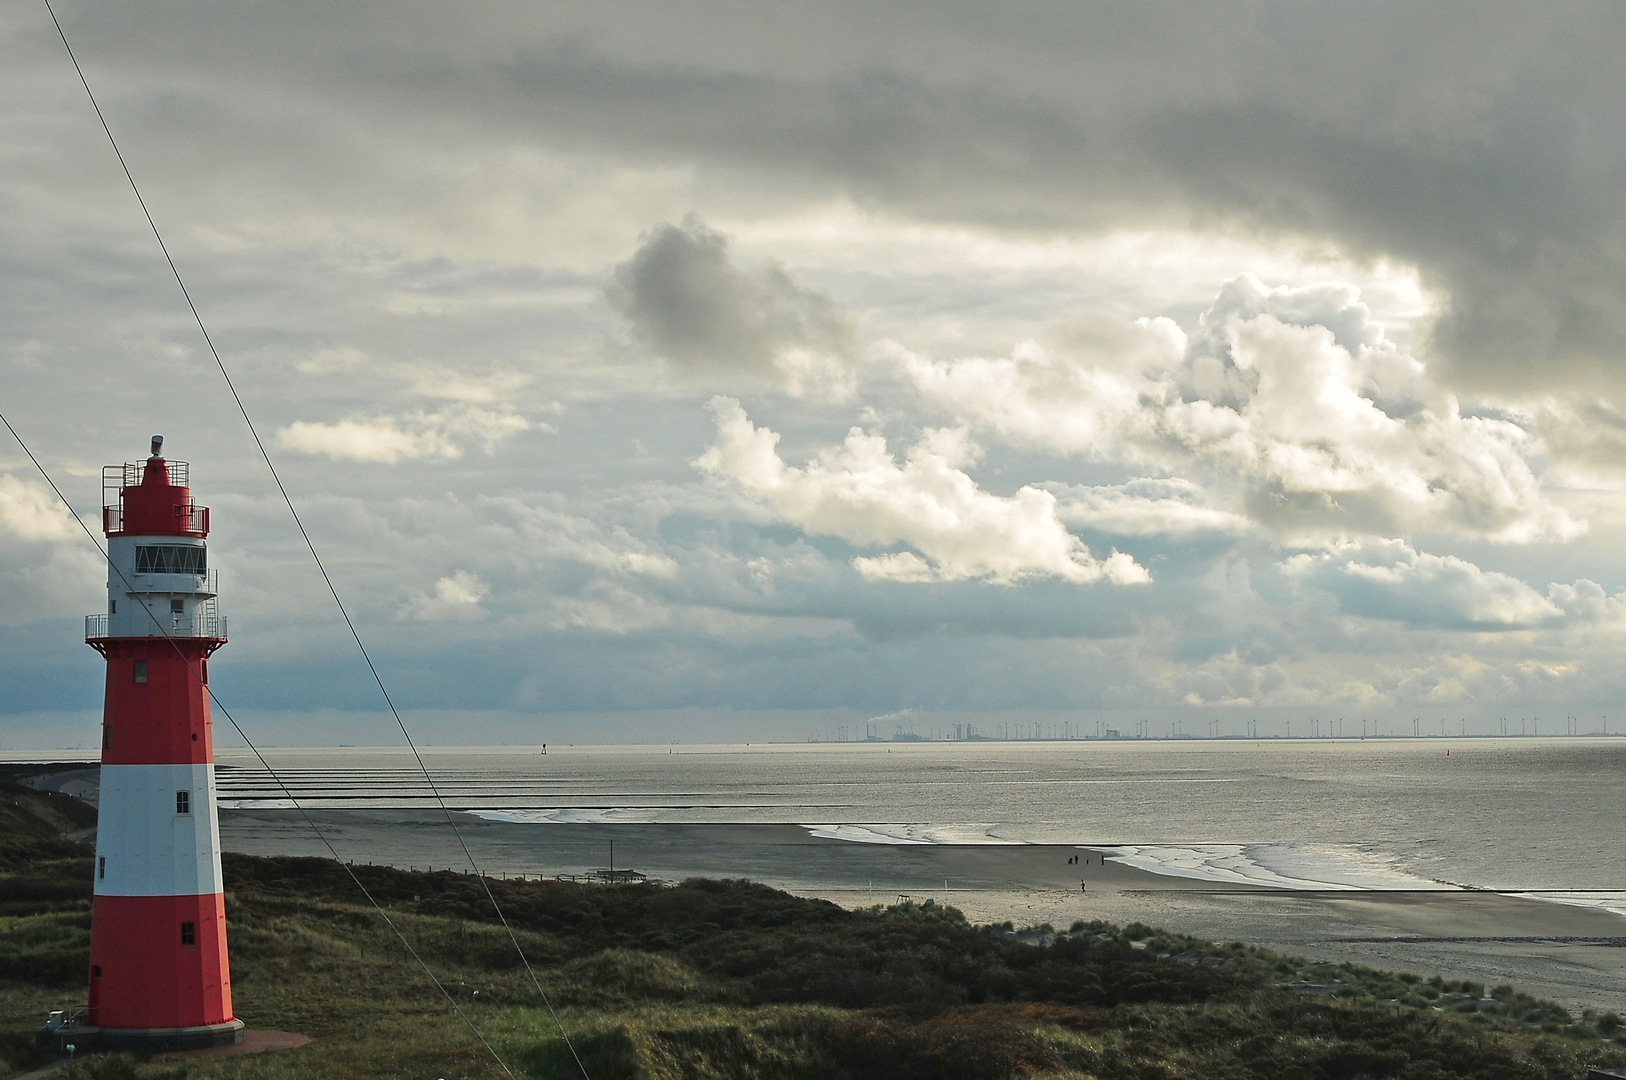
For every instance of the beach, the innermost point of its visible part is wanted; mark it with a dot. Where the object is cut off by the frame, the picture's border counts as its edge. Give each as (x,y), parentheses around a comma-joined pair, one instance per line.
(1572,954)
(1491,864)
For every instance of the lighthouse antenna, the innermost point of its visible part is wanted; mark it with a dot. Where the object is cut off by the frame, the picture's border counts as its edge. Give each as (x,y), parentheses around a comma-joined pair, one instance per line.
(283,491)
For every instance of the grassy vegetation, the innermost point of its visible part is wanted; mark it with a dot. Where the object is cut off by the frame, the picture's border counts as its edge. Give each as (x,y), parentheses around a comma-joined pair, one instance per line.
(728,979)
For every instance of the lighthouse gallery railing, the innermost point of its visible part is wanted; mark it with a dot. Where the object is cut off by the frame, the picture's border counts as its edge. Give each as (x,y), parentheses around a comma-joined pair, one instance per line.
(201,625)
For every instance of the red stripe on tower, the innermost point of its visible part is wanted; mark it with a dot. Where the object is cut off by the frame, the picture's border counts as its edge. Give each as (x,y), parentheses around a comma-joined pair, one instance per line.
(158,969)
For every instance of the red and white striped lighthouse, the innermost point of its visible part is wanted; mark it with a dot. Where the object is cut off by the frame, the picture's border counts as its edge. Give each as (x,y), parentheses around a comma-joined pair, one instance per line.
(158,970)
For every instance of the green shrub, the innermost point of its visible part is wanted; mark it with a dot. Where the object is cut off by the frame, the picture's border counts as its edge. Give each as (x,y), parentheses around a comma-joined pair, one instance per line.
(625,976)
(605,1055)
(52,950)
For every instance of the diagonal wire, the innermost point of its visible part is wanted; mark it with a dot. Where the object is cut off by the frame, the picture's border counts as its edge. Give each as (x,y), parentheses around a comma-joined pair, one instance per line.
(260,445)
(195,673)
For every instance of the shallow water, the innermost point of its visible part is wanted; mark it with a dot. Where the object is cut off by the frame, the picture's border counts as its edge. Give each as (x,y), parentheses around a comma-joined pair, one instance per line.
(1536,814)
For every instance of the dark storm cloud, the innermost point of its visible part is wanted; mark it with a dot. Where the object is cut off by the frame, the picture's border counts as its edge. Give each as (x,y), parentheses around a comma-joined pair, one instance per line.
(1484,147)
(1481,142)
(687,301)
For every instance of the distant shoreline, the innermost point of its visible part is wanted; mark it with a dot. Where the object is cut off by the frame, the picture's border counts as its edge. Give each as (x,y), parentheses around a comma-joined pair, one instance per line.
(87,754)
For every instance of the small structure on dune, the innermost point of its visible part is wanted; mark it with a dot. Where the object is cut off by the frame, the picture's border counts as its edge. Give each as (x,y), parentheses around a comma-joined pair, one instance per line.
(618,877)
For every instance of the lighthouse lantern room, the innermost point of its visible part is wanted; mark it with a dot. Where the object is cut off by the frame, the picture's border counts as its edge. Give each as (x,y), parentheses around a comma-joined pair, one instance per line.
(158,971)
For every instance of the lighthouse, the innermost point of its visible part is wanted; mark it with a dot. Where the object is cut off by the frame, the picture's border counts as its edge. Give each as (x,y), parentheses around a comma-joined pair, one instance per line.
(158,971)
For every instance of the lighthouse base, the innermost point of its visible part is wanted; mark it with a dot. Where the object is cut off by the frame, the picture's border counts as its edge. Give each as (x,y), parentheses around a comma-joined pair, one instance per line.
(153,1040)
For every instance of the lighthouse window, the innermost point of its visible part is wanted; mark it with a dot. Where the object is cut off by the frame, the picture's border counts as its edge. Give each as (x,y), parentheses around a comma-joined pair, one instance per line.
(101,867)
(183,802)
(170,559)
(140,671)
(189,933)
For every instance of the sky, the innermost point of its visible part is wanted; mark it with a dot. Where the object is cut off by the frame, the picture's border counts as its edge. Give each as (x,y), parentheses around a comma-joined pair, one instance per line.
(727,371)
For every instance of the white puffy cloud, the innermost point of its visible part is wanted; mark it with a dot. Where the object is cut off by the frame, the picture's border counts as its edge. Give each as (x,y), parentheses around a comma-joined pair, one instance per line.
(688,302)
(1390,580)
(1291,397)
(31,512)
(1147,507)
(380,439)
(859,493)
(386,440)
(1587,601)
(1086,399)
(49,569)
(453,599)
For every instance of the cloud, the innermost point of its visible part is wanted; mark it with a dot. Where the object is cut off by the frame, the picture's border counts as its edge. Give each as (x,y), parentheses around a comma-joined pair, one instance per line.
(431,380)
(417,211)
(607,608)
(1147,507)
(1086,402)
(388,439)
(453,599)
(1292,398)
(546,533)
(1498,179)
(454,385)
(1226,680)
(1587,602)
(857,492)
(30,511)
(49,570)
(1391,580)
(1584,433)
(688,302)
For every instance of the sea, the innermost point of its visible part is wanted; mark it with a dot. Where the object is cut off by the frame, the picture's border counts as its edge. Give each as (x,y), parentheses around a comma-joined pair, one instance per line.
(1536,815)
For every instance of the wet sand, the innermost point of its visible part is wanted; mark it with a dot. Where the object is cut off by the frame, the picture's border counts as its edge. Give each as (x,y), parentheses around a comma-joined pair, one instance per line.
(1573,955)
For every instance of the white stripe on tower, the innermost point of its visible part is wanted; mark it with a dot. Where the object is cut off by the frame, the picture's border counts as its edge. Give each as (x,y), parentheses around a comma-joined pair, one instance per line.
(152,842)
